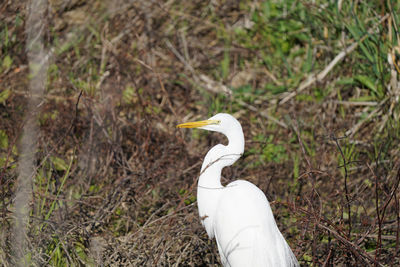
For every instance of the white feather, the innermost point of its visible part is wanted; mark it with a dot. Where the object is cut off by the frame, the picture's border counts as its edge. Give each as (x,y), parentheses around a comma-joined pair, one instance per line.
(238,215)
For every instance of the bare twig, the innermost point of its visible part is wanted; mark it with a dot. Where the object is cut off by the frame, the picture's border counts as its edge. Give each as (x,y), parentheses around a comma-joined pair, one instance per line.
(263,113)
(166,95)
(335,139)
(357,127)
(208,83)
(353,247)
(378,215)
(355,103)
(356,250)
(398,224)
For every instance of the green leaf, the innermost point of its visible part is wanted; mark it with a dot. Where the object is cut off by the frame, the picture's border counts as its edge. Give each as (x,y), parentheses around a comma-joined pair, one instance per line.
(296,166)
(365,98)
(345,81)
(59,164)
(6,40)
(128,95)
(225,64)
(307,65)
(4,95)
(3,139)
(367,82)
(7,62)
(275,89)
(307,257)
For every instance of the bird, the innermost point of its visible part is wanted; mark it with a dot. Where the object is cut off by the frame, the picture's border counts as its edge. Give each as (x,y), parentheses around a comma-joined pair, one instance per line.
(238,215)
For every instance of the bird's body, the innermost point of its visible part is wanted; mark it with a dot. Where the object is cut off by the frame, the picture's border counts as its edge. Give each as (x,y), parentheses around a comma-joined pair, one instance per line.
(237,215)
(252,238)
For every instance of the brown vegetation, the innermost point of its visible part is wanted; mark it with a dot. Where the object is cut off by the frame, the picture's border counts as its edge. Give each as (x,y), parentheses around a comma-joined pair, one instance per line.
(115,181)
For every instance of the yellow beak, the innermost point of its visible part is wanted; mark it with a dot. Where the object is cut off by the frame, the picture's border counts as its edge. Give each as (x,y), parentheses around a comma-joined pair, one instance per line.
(196,124)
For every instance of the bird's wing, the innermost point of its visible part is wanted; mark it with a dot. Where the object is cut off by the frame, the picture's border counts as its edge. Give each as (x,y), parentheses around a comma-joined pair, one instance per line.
(245,229)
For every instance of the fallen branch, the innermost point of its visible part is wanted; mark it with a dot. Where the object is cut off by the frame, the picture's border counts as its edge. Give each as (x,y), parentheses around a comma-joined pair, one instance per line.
(356,127)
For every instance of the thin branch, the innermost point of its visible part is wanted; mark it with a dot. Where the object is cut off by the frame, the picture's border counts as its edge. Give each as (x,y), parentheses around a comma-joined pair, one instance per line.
(356,103)
(263,113)
(335,139)
(208,83)
(356,127)
(356,250)
(378,215)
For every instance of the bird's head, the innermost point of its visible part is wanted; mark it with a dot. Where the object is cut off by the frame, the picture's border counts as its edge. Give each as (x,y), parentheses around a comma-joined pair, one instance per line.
(221,122)
(230,127)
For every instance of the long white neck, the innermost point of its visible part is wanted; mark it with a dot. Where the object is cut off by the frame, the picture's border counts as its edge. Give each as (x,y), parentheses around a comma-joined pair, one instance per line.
(209,186)
(221,156)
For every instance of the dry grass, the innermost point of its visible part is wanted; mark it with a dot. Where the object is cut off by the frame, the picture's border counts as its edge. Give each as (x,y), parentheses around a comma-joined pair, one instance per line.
(115,181)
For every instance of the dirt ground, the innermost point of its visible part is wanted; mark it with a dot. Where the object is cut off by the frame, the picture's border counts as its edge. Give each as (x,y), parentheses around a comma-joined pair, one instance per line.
(114,181)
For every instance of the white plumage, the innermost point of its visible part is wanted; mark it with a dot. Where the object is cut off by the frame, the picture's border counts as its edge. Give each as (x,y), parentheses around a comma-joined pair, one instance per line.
(237,215)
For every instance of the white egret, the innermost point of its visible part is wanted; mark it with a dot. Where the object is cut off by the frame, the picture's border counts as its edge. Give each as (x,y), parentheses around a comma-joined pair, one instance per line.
(237,215)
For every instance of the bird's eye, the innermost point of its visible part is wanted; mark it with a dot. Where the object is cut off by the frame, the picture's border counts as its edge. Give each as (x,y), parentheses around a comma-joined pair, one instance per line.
(218,121)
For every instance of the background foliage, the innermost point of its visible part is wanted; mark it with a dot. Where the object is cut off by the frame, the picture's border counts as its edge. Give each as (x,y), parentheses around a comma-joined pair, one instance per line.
(314,83)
